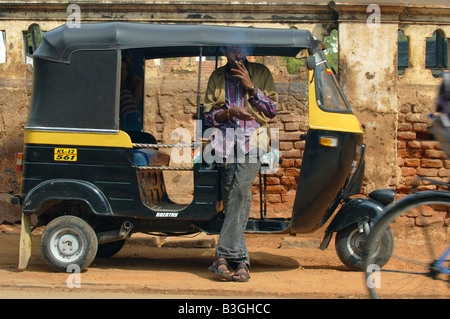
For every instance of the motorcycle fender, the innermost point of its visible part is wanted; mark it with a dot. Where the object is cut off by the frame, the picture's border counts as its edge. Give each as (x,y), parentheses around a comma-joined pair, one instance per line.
(66,189)
(357,210)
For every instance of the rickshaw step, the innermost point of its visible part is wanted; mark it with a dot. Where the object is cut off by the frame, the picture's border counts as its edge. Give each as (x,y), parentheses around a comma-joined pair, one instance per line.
(164,168)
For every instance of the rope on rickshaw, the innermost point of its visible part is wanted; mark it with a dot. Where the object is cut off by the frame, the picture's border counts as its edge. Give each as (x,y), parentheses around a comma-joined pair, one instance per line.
(179,145)
(164,168)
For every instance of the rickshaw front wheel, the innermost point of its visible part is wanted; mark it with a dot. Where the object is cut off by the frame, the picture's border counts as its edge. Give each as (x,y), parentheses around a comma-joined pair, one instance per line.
(68,241)
(350,243)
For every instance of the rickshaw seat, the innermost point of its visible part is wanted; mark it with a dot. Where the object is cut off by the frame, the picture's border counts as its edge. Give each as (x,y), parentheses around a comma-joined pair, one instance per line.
(150,157)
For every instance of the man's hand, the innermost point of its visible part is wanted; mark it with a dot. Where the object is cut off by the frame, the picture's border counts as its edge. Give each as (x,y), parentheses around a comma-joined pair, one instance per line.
(241,114)
(237,112)
(239,71)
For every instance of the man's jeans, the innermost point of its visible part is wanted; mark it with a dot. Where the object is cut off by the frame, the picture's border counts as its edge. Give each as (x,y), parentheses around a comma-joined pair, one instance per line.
(236,181)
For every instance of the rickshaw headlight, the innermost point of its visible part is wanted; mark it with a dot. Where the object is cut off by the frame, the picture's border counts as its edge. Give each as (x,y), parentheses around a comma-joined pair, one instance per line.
(328,141)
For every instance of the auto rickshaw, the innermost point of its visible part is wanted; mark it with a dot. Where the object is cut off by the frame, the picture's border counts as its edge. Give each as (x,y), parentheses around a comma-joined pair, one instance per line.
(93,183)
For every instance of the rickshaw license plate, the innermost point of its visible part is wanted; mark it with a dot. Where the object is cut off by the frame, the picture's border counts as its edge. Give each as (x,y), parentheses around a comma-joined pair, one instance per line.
(65,154)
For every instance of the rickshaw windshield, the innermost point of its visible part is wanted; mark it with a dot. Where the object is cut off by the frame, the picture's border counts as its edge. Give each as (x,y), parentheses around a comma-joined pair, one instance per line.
(329,94)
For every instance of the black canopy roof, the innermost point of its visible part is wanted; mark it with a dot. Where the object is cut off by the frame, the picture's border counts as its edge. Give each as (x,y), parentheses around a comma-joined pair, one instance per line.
(169,40)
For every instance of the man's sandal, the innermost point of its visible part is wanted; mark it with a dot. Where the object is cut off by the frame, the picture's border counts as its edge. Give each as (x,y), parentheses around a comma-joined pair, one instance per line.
(243,276)
(222,273)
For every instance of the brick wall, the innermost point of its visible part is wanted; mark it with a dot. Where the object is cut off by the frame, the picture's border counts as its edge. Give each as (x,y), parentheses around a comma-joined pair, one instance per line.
(418,153)
(168,65)
(282,186)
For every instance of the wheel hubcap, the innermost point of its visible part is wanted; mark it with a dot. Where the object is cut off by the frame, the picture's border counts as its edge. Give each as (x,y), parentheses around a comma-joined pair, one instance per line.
(66,245)
(355,245)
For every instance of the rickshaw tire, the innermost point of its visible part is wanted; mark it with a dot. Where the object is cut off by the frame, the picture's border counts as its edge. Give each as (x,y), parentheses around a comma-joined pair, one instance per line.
(109,249)
(68,243)
(349,244)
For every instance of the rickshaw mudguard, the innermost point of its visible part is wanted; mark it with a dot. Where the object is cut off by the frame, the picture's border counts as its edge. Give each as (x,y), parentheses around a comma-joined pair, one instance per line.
(361,210)
(355,211)
(66,189)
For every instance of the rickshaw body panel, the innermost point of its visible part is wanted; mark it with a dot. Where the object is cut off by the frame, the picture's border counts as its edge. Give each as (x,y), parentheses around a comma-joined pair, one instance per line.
(109,170)
(323,178)
(327,171)
(101,174)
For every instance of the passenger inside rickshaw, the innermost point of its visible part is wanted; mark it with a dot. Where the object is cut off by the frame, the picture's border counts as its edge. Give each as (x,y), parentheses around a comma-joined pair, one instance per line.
(131,88)
(148,160)
(131,109)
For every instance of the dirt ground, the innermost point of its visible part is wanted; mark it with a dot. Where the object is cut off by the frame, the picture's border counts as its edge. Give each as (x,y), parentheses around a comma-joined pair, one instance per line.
(141,270)
(283,267)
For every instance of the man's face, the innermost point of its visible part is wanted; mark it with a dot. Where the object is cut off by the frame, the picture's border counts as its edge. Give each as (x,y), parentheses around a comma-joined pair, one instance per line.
(235,54)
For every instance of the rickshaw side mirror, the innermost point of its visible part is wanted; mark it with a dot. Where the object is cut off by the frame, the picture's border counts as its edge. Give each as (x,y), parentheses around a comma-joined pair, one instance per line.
(311,62)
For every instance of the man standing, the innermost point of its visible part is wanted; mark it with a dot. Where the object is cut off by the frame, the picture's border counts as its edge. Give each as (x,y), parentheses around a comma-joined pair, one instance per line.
(239,98)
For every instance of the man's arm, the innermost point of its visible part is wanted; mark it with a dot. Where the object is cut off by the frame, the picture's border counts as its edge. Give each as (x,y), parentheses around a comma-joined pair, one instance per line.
(263,103)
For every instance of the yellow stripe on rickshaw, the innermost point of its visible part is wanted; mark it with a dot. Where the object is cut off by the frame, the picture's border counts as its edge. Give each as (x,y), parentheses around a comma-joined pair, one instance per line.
(121,139)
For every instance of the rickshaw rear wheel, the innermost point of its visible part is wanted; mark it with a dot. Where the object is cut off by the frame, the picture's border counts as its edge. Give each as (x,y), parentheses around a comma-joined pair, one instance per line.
(68,241)
(350,245)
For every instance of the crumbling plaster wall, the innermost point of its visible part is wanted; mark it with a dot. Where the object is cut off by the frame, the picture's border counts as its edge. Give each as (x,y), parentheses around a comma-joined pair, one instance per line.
(368,66)
(15,92)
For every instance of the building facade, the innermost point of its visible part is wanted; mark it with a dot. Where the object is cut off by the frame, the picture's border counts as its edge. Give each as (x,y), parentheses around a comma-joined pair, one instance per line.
(389,56)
